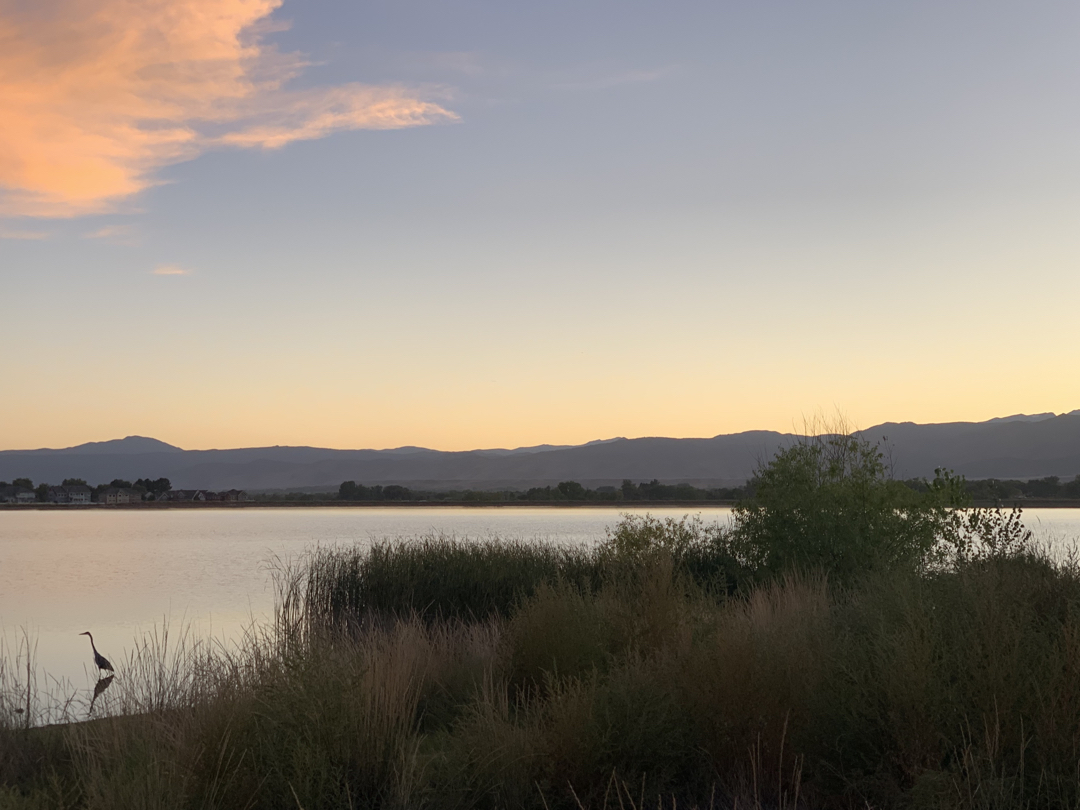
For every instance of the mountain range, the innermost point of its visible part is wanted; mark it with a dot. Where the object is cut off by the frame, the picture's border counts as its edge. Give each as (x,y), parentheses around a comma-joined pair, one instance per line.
(1020,446)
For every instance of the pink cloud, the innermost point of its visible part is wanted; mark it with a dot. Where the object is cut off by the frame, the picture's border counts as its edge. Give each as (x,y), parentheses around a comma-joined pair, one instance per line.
(96,95)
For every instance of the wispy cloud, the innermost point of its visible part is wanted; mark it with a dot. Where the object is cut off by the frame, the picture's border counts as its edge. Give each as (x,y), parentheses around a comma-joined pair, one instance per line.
(117,234)
(170,270)
(6,234)
(97,96)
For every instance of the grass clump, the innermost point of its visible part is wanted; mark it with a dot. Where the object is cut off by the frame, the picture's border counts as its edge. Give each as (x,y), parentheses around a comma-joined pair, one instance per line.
(435,577)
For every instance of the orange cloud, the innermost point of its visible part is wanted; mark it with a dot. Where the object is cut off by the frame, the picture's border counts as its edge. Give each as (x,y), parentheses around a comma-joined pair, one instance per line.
(170,270)
(96,95)
(110,232)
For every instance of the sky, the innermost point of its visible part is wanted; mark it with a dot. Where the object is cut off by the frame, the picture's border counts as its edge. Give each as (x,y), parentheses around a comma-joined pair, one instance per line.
(455,224)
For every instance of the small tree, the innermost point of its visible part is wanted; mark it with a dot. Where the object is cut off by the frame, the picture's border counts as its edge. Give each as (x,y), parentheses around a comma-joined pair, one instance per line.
(572,490)
(829,503)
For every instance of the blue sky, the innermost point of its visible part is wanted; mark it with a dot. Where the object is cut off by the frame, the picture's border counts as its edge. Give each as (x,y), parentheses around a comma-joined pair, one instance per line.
(590,220)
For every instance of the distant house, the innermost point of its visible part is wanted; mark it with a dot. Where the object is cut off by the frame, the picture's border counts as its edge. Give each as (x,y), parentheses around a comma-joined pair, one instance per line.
(234,495)
(24,495)
(116,496)
(69,494)
(79,494)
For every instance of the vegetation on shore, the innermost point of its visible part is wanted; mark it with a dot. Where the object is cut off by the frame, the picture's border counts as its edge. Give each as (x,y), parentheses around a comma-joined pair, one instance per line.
(565,492)
(847,642)
(987,491)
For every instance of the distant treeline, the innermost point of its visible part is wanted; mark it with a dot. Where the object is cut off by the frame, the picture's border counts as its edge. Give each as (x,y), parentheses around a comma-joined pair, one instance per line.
(989,490)
(993,490)
(564,491)
(1006,491)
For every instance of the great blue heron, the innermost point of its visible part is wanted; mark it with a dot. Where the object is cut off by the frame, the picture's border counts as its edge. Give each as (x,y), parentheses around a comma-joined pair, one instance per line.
(99,659)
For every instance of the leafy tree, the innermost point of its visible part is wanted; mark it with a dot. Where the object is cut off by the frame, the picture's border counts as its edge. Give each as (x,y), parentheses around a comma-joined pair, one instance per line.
(155,486)
(1072,489)
(351,491)
(572,490)
(74,482)
(542,494)
(828,502)
(41,492)
(25,483)
(1048,487)
(120,483)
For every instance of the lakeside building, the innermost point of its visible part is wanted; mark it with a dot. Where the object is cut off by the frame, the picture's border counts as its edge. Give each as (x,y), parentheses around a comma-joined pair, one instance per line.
(77,494)
(119,495)
(10,494)
(183,495)
(115,496)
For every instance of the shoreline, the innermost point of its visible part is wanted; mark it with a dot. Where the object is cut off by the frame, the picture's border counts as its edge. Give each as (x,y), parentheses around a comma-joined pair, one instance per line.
(152,505)
(366,505)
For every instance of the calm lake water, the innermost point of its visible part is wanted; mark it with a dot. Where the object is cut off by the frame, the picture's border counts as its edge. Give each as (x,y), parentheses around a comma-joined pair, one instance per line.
(120,574)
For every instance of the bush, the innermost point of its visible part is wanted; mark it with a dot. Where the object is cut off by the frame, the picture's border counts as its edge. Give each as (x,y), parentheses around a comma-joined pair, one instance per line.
(828,503)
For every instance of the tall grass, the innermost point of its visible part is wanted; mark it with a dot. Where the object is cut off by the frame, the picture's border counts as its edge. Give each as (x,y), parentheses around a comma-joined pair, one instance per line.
(443,674)
(436,577)
(440,577)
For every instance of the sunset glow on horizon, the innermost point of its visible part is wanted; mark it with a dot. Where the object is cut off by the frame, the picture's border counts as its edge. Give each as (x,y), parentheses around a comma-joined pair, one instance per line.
(230,223)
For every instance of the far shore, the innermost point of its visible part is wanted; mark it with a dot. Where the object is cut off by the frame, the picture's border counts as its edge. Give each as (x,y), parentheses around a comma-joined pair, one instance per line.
(371,504)
(690,505)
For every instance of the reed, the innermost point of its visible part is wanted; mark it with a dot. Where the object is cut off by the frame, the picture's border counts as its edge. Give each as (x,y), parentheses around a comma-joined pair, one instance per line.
(435,577)
(438,577)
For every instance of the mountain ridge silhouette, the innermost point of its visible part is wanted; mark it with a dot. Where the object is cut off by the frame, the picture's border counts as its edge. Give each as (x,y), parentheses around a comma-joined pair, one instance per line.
(1018,446)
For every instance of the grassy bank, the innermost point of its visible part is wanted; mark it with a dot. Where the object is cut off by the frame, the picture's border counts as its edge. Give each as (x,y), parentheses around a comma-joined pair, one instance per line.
(841,649)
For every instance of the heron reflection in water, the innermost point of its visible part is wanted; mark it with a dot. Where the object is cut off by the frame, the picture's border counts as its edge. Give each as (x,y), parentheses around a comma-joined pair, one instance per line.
(99,687)
(100,660)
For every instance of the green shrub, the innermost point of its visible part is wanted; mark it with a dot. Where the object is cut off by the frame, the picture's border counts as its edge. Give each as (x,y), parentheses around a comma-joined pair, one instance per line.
(828,503)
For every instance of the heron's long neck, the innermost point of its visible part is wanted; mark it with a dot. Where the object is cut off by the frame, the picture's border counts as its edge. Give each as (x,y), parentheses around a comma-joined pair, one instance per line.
(92,647)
